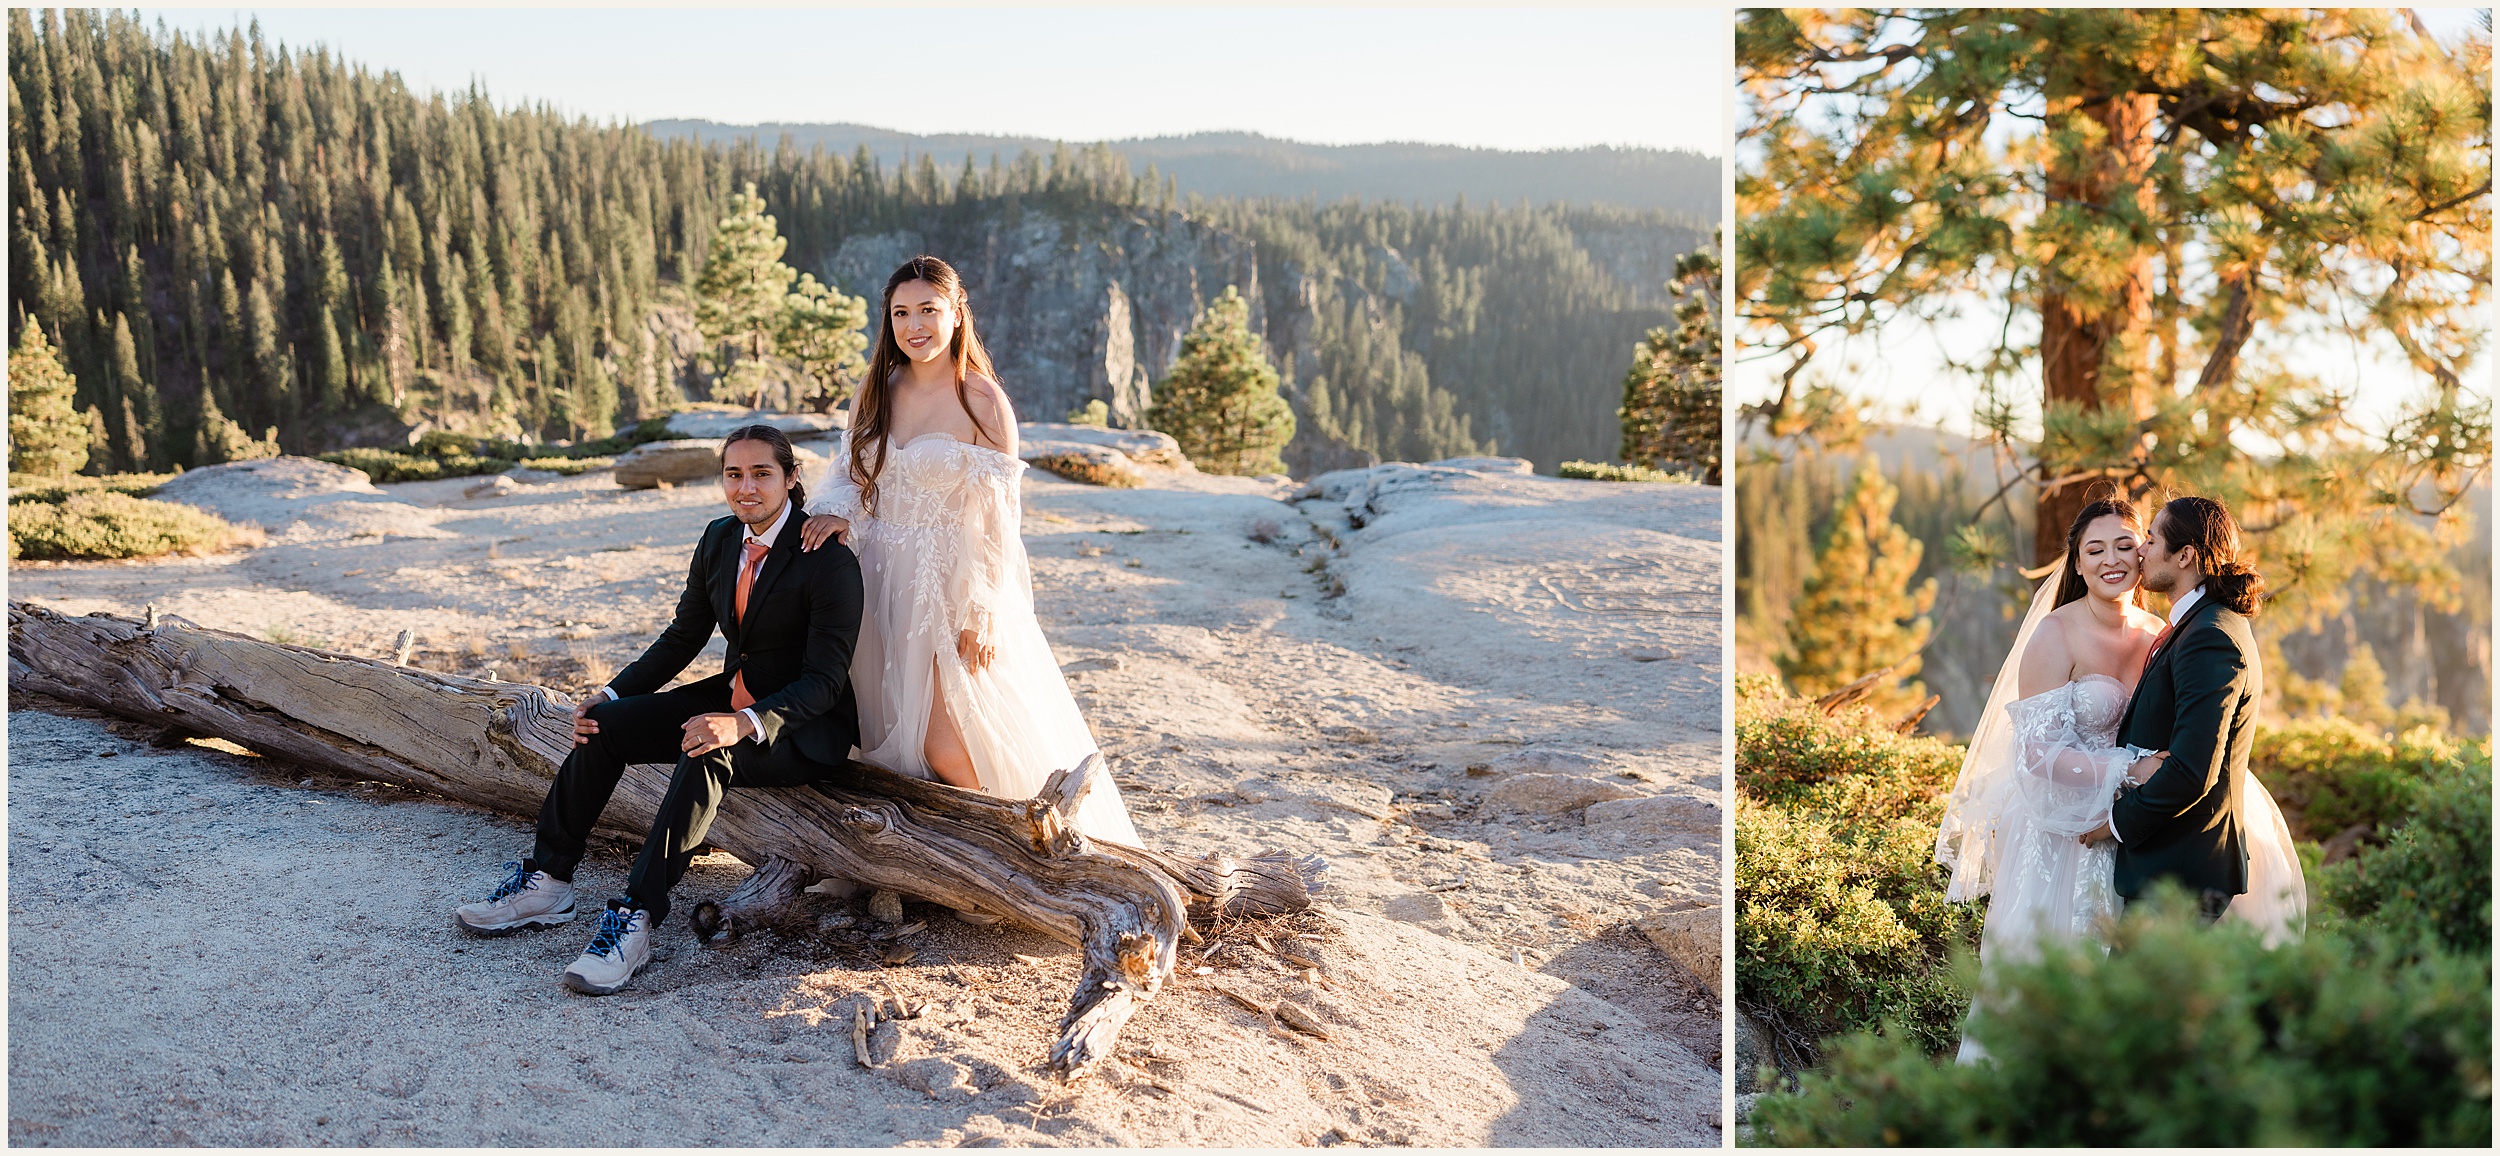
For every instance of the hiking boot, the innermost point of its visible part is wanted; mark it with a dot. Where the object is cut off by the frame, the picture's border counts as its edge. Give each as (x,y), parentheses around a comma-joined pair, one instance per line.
(529,897)
(622,947)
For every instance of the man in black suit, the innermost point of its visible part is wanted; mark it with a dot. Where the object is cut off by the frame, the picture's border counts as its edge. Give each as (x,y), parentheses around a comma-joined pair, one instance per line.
(2196,708)
(779,714)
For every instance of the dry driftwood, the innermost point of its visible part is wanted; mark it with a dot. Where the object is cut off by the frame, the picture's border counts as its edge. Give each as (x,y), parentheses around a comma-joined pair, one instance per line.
(498,744)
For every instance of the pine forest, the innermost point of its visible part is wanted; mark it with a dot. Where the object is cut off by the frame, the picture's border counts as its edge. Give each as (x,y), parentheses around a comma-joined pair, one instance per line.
(232,240)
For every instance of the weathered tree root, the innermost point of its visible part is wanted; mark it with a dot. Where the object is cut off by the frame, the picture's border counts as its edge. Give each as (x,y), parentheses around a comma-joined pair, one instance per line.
(498,744)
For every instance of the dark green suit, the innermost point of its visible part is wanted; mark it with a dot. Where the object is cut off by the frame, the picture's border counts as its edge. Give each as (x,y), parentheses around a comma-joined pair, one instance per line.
(2197,700)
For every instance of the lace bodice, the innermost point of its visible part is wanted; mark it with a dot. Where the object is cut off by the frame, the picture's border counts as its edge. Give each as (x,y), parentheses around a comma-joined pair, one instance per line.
(953,508)
(2088,708)
(931,480)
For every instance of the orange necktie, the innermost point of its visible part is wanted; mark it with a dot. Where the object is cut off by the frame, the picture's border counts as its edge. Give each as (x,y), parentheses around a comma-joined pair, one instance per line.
(739,699)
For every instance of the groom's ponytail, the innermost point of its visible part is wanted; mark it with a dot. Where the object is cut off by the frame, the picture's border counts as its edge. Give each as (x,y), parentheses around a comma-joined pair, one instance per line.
(2208,526)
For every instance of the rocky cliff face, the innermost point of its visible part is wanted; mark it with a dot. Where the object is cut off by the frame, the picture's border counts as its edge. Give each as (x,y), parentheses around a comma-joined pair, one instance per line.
(1071,308)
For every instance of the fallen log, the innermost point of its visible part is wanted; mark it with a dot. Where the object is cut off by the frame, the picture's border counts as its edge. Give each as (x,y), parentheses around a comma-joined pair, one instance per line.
(498,744)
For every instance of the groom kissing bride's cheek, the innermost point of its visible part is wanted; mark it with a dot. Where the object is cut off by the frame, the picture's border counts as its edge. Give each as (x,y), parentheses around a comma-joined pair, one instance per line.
(2113,752)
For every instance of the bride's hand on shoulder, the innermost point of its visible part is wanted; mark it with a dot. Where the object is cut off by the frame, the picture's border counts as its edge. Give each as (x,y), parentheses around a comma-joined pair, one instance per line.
(819,527)
(974,648)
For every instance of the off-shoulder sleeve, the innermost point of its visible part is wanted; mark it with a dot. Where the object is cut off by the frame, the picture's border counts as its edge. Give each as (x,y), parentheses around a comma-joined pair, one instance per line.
(2068,784)
(993,569)
(833,492)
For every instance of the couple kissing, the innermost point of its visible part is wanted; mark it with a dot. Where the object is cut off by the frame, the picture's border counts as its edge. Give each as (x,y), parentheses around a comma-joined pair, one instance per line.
(891,620)
(2113,752)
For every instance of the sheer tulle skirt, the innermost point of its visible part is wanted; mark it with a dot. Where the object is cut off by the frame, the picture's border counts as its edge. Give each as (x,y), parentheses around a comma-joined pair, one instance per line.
(1017,717)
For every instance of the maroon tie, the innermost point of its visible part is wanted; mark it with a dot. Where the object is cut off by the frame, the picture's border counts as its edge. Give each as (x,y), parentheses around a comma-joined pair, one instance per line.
(739,699)
(2159,640)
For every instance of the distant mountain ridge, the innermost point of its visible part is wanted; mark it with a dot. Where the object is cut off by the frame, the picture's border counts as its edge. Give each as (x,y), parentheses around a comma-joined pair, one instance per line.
(1241,164)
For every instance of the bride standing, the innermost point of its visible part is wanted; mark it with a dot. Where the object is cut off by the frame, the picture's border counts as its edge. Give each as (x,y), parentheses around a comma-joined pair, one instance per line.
(954,679)
(2044,764)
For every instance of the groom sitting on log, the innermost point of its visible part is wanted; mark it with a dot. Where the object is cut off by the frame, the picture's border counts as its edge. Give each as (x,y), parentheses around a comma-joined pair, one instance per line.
(779,714)
(2195,707)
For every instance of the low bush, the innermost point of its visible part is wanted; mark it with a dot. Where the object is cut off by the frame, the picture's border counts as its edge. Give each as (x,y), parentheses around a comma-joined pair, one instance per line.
(567,466)
(442,454)
(2433,878)
(1841,921)
(1843,925)
(391,466)
(99,523)
(2333,773)
(1078,468)
(1611,472)
(35,488)
(2183,1035)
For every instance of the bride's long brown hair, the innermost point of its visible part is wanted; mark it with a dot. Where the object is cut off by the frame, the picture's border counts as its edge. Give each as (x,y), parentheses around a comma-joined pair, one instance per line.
(872,410)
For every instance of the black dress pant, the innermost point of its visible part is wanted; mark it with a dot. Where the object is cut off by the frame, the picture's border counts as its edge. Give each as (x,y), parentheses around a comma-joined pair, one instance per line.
(2211,904)
(649,728)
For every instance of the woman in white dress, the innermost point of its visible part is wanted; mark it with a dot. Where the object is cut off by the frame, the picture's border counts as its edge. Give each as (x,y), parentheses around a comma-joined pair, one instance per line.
(2045,762)
(954,679)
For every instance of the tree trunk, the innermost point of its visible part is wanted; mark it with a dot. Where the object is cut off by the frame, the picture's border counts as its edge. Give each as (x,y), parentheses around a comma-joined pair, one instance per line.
(2094,354)
(499,744)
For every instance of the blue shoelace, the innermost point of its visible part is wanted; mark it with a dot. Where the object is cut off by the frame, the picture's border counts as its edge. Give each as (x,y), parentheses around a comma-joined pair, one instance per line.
(517,883)
(611,937)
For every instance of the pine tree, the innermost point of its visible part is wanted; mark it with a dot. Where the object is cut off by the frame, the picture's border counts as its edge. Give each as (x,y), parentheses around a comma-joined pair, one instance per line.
(824,332)
(2150,194)
(47,437)
(1670,408)
(1858,614)
(1219,401)
(99,443)
(220,440)
(2362,690)
(743,290)
(141,412)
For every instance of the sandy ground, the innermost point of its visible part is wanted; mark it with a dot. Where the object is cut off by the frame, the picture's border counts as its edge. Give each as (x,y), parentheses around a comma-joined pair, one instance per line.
(206,947)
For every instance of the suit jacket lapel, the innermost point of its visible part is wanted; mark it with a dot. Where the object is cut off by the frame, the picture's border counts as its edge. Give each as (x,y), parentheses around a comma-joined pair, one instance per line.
(778,559)
(2160,661)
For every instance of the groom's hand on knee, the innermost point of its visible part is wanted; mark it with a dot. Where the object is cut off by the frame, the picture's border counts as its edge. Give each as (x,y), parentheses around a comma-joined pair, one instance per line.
(706,733)
(585,726)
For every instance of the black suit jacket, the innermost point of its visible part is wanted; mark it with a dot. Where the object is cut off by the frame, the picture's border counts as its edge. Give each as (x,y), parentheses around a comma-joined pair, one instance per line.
(2197,700)
(794,645)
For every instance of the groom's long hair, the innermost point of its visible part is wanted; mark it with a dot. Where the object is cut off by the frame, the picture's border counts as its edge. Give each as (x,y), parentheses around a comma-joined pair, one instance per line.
(2070,585)
(2207,525)
(783,455)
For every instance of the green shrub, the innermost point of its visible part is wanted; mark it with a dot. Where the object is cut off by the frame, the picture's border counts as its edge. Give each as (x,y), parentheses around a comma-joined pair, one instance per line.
(443,454)
(2185,1035)
(2333,773)
(1849,766)
(391,466)
(2434,875)
(1841,921)
(567,466)
(1611,472)
(32,488)
(1079,468)
(104,523)
(1843,925)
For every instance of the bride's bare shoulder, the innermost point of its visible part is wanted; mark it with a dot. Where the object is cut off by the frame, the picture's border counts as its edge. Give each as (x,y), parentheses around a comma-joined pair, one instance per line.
(997,417)
(2048,660)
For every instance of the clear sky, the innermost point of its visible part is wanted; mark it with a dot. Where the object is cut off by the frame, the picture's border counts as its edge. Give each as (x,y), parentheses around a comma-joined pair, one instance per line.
(1490,77)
